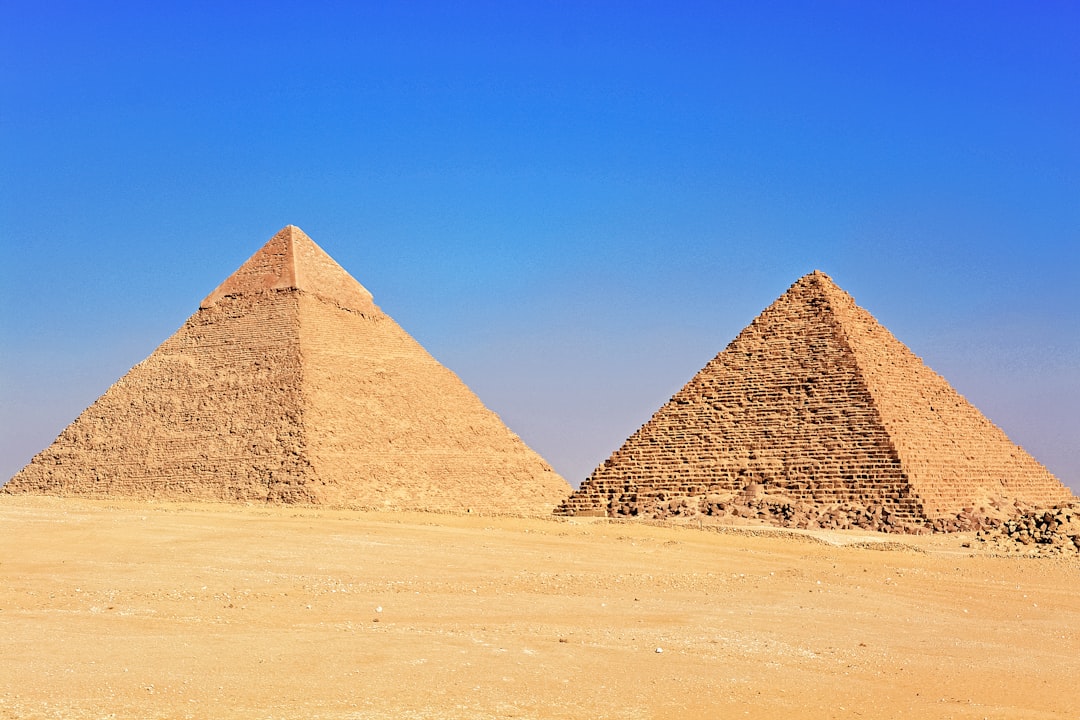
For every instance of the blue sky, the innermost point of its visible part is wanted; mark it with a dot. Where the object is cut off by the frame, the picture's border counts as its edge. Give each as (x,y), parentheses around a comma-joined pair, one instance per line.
(572,205)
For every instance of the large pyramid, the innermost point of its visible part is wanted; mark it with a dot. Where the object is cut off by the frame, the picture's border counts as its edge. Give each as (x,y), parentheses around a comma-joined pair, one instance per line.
(290,385)
(817,403)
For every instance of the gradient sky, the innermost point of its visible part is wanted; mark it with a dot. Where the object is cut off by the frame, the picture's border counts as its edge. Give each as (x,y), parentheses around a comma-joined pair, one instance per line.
(574,206)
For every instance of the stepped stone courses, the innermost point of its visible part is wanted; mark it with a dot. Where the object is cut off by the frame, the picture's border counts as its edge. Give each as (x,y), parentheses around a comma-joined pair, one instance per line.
(290,385)
(816,416)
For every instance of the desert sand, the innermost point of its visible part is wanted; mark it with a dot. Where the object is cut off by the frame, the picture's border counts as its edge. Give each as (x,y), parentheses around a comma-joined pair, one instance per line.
(121,609)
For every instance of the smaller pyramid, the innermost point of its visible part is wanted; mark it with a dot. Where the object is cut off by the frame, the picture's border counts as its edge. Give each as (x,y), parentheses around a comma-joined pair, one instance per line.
(289,385)
(816,404)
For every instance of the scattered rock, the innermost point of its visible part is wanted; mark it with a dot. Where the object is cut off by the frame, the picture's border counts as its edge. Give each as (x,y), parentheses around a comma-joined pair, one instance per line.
(1051,531)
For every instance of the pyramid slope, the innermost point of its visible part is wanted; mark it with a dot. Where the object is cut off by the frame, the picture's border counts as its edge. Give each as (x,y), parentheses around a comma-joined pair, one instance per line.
(435,441)
(954,455)
(290,385)
(813,402)
(215,413)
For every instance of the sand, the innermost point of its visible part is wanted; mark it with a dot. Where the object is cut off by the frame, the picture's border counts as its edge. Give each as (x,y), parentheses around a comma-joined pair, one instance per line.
(120,609)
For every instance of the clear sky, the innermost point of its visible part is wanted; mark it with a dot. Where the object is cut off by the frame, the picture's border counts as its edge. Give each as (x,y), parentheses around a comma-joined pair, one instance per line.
(574,206)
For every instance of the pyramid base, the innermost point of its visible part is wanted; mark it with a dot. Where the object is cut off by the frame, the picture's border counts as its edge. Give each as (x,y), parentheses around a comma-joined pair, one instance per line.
(757,504)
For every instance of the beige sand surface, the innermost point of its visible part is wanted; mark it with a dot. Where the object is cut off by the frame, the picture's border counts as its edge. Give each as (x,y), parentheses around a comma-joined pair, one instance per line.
(125,610)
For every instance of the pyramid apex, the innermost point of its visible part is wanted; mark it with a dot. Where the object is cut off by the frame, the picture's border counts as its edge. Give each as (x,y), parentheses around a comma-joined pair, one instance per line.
(291,234)
(816,275)
(291,260)
(821,282)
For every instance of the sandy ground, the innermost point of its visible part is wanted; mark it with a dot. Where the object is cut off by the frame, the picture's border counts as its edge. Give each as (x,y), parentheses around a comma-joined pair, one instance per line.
(126,610)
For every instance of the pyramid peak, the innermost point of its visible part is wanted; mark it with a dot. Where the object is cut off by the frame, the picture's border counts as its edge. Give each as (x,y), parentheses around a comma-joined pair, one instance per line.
(291,260)
(819,283)
(815,277)
(292,233)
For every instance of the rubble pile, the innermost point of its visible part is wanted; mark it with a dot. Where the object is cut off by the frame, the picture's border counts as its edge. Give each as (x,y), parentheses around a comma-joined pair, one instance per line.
(999,526)
(1052,531)
(754,507)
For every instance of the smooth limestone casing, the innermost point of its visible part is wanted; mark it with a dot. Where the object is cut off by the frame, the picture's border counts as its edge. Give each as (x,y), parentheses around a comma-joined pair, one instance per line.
(817,402)
(290,385)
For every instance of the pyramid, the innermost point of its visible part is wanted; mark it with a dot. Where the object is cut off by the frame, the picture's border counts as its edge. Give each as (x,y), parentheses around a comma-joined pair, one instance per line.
(817,403)
(289,385)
